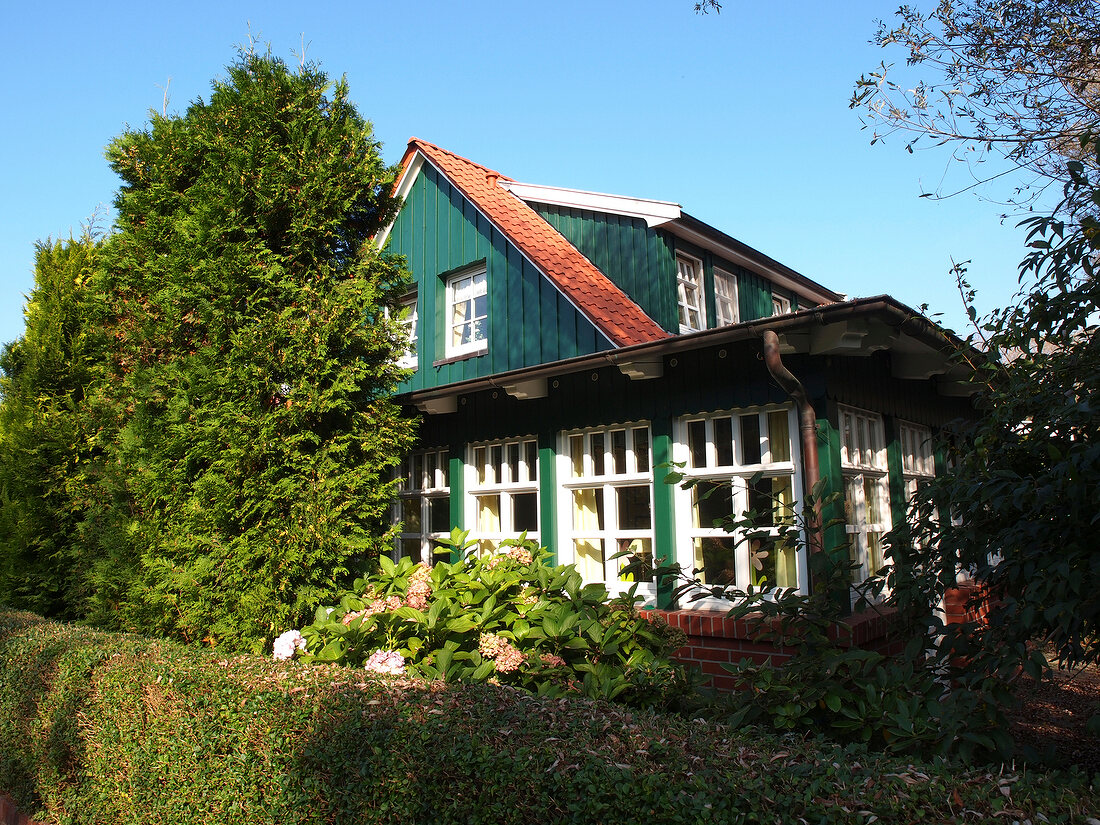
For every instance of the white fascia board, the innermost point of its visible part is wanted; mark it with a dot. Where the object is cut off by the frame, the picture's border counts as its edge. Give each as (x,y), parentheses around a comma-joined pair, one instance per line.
(729,254)
(403,188)
(654,213)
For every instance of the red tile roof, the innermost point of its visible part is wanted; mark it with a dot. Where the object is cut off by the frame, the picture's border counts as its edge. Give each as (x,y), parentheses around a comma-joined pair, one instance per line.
(610,309)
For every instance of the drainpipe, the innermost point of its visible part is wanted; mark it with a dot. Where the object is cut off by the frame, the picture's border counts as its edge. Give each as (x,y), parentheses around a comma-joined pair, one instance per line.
(807,427)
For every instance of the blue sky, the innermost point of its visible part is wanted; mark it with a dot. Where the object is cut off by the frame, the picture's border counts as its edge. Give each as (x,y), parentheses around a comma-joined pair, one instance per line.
(740,117)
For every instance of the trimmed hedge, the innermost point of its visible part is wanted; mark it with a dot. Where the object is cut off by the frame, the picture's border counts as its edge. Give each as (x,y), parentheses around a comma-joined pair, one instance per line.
(99,728)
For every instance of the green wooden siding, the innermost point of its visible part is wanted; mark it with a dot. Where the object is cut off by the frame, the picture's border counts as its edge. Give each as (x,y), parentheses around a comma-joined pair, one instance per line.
(530,322)
(637,259)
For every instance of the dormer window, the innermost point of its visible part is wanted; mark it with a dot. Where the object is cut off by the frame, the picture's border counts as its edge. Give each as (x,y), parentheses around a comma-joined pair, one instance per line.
(467,313)
(409,320)
(725,298)
(689,292)
(781,304)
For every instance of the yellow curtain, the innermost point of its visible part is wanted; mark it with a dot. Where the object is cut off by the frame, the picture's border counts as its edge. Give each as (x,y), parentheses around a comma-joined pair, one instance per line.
(586,520)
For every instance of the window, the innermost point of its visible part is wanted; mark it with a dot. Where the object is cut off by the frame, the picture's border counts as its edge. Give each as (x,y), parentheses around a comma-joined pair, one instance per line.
(689,292)
(503,491)
(917,463)
(743,461)
(866,489)
(408,318)
(424,507)
(607,505)
(468,314)
(725,297)
(781,304)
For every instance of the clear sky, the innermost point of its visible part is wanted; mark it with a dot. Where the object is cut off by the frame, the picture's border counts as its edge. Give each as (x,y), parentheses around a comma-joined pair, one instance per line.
(741,117)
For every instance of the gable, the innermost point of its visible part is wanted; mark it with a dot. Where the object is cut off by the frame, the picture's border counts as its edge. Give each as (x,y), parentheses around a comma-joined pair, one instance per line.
(530,321)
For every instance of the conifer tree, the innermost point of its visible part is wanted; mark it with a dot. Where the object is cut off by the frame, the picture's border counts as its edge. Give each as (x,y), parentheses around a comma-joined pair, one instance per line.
(44,449)
(252,363)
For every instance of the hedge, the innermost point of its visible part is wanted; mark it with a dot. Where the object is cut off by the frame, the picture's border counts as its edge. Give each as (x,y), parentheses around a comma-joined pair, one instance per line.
(101,728)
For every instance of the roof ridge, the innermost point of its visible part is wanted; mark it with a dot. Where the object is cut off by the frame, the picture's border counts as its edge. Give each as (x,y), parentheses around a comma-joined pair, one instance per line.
(457,156)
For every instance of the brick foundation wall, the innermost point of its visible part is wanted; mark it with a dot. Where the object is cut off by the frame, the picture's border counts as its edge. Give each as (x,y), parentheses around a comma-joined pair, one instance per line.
(715,639)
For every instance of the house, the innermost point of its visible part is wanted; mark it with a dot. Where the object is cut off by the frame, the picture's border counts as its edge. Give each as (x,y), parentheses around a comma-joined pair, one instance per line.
(568,345)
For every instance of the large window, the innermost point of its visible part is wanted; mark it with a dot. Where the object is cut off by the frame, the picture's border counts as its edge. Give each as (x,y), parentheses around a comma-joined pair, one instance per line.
(781,304)
(866,489)
(725,297)
(424,506)
(741,461)
(503,491)
(608,503)
(689,293)
(467,314)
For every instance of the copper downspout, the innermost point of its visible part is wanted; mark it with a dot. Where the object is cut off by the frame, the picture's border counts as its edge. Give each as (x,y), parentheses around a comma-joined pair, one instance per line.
(807,427)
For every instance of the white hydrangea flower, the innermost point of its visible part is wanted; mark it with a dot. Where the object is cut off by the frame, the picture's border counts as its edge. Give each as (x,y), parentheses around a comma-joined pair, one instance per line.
(287,643)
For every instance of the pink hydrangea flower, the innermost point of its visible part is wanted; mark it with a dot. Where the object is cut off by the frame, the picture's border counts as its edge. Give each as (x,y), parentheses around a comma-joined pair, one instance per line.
(552,660)
(386,662)
(506,657)
(420,588)
(287,644)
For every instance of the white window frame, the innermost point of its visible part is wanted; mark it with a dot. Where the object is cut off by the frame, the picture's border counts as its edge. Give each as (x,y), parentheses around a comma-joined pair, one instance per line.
(917,462)
(491,472)
(726,309)
(728,466)
(689,293)
(634,471)
(479,324)
(781,304)
(866,473)
(423,487)
(408,318)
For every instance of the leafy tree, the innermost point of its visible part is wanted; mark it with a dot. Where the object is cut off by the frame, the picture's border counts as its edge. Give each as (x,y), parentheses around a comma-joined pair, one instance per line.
(43,436)
(1011,78)
(251,363)
(1017,510)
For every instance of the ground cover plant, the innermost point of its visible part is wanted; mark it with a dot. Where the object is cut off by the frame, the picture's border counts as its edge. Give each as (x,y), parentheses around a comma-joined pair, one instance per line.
(100,727)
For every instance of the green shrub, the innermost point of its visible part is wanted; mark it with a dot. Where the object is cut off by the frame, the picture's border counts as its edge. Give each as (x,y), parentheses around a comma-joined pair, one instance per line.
(508,617)
(101,728)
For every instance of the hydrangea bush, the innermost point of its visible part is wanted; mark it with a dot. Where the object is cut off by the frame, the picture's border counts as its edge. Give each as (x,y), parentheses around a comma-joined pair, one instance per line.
(508,617)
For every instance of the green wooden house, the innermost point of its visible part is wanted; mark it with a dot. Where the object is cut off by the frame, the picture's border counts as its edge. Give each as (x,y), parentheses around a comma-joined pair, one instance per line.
(568,345)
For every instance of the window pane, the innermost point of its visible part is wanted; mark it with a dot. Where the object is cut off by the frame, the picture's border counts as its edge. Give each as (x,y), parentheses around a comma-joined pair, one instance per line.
(488,514)
(713,501)
(618,451)
(429,469)
(410,548)
(513,463)
(589,559)
(697,443)
(633,506)
(762,503)
(640,550)
(587,511)
(439,514)
(444,460)
(525,512)
(641,449)
(596,442)
(779,435)
(750,439)
(723,441)
(715,559)
(772,563)
(496,461)
(410,514)
(532,460)
(479,462)
(576,454)
(416,481)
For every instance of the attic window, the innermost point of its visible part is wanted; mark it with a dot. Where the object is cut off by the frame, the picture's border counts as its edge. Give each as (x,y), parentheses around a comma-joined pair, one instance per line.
(781,304)
(689,292)
(725,297)
(467,314)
